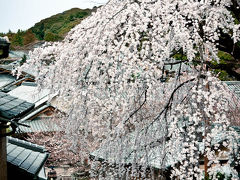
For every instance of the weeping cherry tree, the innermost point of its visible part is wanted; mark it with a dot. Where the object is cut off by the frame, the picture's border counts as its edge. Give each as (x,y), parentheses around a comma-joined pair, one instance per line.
(109,73)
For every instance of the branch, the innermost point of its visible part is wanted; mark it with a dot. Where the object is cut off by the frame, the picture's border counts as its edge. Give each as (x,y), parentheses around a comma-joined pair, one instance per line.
(152,144)
(134,112)
(177,62)
(170,99)
(88,70)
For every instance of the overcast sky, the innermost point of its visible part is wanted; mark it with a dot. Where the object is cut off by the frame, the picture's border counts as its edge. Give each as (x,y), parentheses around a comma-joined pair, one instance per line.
(23,14)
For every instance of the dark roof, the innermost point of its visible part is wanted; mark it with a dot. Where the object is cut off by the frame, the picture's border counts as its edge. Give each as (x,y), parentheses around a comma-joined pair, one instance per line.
(26,156)
(6,79)
(12,107)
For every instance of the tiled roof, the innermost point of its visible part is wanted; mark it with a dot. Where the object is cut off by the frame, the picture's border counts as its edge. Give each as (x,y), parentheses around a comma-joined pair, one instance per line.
(40,125)
(26,156)
(237,129)
(6,79)
(234,86)
(12,107)
(30,93)
(110,150)
(131,154)
(18,54)
(33,114)
(176,67)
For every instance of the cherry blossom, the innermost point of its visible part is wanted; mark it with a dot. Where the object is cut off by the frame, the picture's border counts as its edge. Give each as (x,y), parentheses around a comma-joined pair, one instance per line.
(108,74)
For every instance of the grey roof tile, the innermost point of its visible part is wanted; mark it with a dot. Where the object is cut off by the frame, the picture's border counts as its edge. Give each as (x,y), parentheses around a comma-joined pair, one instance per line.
(4,108)
(26,145)
(14,153)
(21,157)
(234,86)
(6,79)
(37,163)
(12,113)
(40,125)
(11,148)
(31,93)
(10,97)
(27,163)
(20,101)
(26,156)
(12,107)
(14,103)
(4,101)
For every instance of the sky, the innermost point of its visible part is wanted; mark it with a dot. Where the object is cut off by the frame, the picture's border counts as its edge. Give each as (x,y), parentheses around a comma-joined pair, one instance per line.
(23,14)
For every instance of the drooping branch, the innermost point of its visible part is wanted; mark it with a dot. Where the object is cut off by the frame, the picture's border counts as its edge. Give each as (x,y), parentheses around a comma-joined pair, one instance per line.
(171,99)
(134,112)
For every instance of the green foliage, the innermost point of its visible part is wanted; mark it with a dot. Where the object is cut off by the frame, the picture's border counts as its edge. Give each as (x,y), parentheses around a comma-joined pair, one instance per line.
(20,38)
(220,176)
(51,37)
(224,59)
(84,178)
(28,37)
(39,32)
(225,56)
(23,60)
(81,14)
(222,75)
(17,38)
(9,31)
(238,44)
(236,21)
(179,56)
(134,77)
(71,18)
(55,27)
(1,51)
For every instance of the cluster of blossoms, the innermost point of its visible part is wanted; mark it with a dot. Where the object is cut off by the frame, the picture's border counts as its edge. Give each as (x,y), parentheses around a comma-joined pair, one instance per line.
(199,126)
(108,71)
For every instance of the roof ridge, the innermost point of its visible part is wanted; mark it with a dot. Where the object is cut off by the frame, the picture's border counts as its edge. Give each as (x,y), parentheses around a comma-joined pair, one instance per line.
(26,144)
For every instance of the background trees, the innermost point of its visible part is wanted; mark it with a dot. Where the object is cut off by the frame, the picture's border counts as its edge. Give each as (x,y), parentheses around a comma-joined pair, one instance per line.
(18,39)
(108,71)
(58,25)
(53,28)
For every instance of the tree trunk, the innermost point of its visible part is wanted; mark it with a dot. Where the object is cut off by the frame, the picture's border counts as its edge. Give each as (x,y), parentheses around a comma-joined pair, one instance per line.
(3,155)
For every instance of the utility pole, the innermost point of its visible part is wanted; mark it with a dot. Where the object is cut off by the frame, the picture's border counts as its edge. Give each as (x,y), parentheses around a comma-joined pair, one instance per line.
(3,152)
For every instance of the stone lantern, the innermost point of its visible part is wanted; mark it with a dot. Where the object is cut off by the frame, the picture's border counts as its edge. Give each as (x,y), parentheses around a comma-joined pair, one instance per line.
(4,47)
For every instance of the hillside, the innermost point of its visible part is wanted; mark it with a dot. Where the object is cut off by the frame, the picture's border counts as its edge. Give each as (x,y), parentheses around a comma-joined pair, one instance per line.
(53,28)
